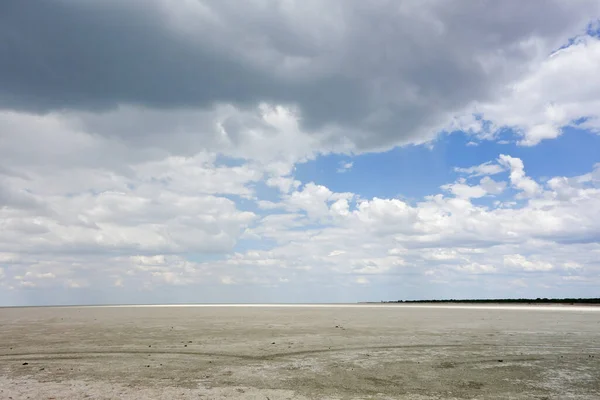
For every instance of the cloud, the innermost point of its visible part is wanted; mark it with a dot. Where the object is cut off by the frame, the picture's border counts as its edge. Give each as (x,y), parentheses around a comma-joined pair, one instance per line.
(550,97)
(361,280)
(344,166)
(464,191)
(445,234)
(475,268)
(174,205)
(491,186)
(487,186)
(487,168)
(315,201)
(227,280)
(518,179)
(319,235)
(284,184)
(334,63)
(518,261)
(77,284)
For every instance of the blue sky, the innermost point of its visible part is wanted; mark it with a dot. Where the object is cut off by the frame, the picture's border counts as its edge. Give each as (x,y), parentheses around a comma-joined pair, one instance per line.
(298,154)
(418,171)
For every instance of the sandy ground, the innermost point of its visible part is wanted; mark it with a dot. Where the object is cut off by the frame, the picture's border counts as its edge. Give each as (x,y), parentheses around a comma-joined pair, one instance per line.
(356,352)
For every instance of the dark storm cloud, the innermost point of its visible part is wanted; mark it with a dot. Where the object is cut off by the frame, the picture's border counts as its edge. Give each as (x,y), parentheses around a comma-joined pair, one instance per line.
(92,54)
(386,68)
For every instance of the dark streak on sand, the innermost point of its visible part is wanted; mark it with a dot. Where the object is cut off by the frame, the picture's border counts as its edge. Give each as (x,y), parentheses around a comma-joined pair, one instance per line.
(73,355)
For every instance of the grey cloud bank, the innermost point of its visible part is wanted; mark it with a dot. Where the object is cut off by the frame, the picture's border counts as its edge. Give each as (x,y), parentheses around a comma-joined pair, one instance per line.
(382,72)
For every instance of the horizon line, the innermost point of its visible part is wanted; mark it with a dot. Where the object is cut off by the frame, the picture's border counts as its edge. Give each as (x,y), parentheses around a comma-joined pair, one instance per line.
(423,304)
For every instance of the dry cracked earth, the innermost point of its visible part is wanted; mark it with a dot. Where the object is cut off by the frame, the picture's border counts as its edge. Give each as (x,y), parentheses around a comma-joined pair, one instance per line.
(300,352)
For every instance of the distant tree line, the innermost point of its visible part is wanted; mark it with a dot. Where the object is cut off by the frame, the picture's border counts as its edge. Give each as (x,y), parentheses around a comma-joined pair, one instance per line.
(539,300)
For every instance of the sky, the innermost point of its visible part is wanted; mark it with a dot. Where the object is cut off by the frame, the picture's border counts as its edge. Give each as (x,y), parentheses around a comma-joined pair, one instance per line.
(298,150)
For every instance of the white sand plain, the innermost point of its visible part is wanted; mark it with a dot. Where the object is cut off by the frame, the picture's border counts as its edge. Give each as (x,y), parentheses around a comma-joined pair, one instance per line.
(300,352)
